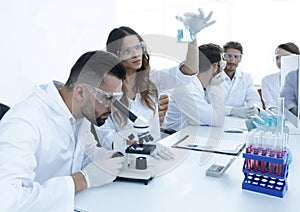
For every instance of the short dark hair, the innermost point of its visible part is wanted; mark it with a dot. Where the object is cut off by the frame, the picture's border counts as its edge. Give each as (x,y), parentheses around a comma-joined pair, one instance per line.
(208,54)
(290,47)
(233,45)
(93,66)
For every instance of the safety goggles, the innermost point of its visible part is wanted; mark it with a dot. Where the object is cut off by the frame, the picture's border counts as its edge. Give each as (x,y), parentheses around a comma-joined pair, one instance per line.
(228,56)
(138,48)
(222,64)
(103,97)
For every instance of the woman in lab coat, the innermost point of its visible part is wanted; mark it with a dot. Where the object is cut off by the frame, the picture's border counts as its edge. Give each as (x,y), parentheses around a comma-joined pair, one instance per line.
(141,87)
(271,84)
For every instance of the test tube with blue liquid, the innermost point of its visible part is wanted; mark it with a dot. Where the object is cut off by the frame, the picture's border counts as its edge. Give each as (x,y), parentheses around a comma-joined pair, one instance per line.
(263,116)
(184,35)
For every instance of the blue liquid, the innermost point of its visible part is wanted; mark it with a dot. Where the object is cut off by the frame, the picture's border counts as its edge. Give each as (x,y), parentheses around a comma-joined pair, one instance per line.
(184,36)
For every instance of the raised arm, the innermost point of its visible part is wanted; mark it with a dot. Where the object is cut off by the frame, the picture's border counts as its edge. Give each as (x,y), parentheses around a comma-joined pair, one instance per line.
(195,22)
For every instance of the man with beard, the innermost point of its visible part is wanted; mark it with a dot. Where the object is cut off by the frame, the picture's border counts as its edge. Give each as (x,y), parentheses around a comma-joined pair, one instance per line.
(47,151)
(241,97)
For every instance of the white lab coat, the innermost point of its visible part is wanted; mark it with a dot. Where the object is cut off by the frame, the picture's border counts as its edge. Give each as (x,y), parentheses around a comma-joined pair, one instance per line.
(270,88)
(41,145)
(191,105)
(240,91)
(164,80)
(290,90)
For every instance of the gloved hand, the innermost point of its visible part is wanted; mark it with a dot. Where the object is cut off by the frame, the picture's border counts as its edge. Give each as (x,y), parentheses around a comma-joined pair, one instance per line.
(195,22)
(216,80)
(103,171)
(244,112)
(162,152)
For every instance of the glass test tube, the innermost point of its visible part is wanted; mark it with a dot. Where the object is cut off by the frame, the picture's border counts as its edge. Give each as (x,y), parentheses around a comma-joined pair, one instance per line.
(279,153)
(280,113)
(249,139)
(272,153)
(264,141)
(256,141)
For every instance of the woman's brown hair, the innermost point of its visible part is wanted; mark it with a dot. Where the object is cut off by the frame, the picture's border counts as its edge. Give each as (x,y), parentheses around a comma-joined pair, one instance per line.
(143,84)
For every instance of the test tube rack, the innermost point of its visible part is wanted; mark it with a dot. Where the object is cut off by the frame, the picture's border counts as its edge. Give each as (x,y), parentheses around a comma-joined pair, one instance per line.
(266,182)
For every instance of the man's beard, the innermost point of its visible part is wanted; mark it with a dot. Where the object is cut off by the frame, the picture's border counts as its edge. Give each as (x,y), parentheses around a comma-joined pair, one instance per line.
(100,121)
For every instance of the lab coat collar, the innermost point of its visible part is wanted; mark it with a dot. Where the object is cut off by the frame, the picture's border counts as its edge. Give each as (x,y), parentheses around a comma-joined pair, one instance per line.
(49,94)
(198,84)
(237,74)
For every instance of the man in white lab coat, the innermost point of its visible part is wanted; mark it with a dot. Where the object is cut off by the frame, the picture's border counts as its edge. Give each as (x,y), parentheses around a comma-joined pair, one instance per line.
(202,101)
(241,97)
(47,151)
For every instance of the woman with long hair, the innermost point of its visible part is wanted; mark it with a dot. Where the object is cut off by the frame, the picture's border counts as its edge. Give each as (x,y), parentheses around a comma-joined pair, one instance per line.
(142,85)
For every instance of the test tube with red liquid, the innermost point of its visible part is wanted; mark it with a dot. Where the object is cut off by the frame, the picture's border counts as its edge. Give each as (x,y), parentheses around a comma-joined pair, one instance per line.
(271,165)
(256,141)
(249,138)
(279,153)
(264,140)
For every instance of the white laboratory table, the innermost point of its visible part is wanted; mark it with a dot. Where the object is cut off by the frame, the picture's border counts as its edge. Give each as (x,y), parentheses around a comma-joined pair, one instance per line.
(182,185)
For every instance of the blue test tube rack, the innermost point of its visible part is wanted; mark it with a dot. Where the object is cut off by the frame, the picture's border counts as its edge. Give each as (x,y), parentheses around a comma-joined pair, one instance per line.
(264,182)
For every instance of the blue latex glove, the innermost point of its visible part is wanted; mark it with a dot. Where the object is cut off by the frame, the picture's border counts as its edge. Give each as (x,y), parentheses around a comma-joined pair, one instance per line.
(196,22)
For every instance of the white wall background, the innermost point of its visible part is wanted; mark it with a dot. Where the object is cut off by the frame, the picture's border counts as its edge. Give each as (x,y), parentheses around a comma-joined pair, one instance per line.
(259,25)
(41,39)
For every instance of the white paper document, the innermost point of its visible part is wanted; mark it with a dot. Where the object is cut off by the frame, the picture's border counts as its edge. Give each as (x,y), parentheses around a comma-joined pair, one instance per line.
(223,145)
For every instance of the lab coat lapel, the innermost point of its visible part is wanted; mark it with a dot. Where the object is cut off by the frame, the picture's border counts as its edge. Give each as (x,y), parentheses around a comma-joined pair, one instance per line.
(235,85)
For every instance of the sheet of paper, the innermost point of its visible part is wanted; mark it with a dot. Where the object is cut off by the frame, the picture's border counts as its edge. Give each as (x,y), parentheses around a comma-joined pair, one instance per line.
(223,145)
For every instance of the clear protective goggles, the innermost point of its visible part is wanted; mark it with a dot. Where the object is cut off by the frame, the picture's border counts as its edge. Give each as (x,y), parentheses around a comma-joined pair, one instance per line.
(222,64)
(103,97)
(138,48)
(228,56)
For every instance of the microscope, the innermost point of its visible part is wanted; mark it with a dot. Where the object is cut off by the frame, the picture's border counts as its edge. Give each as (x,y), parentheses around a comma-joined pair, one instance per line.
(136,167)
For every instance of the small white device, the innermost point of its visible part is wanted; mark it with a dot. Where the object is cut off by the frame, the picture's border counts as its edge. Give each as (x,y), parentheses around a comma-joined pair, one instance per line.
(216,170)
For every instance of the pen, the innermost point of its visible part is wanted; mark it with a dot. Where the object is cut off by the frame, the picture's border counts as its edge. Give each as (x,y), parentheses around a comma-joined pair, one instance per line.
(180,140)
(198,146)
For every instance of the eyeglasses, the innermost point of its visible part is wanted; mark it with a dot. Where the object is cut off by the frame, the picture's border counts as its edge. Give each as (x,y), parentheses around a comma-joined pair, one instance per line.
(132,50)
(228,56)
(103,97)
(222,64)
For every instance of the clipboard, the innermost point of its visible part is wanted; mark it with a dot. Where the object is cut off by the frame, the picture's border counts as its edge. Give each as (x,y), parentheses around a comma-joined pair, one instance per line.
(203,144)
